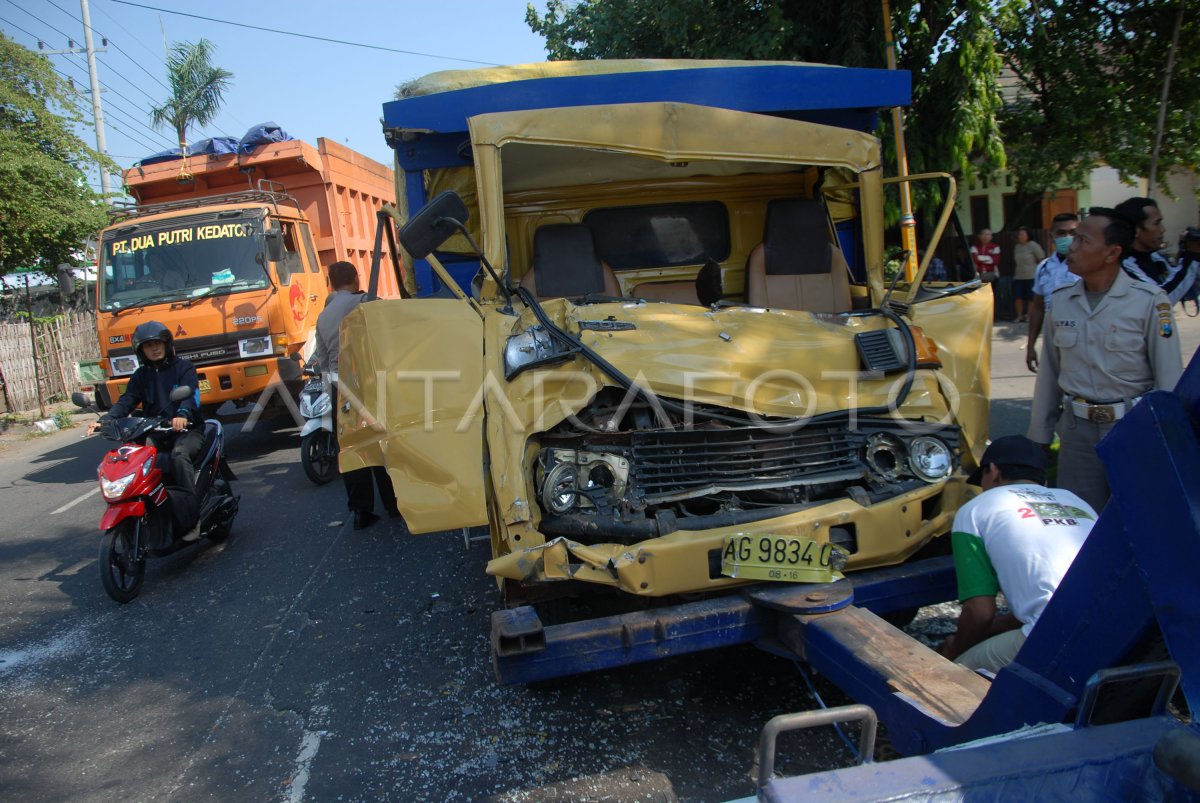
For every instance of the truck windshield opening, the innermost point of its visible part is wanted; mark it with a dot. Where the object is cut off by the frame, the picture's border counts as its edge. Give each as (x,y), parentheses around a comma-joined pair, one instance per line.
(178,260)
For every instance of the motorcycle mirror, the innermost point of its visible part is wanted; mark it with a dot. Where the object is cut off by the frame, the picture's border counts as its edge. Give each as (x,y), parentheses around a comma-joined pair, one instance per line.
(80,400)
(180,393)
(434,224)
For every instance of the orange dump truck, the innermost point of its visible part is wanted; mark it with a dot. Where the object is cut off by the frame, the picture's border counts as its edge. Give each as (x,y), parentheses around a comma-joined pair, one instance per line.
(230,254)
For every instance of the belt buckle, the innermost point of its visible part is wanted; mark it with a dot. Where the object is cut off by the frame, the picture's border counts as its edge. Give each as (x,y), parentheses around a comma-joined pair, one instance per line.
(1101,413)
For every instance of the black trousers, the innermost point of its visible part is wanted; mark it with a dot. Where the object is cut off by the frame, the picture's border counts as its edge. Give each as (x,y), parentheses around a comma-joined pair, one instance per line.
(360,495)
(185,452)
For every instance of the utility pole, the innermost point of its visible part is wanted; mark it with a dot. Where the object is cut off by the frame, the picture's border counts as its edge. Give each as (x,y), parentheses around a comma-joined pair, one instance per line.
(97,111)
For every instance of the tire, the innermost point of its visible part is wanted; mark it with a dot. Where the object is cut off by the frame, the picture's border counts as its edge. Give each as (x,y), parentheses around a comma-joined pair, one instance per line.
(318,457)
(119,574)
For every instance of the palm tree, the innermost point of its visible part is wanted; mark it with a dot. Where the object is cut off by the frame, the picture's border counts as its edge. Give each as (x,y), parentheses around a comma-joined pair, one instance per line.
(196,90)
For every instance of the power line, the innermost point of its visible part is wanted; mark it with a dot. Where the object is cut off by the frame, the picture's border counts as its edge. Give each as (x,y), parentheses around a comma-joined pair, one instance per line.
(307,36)
(106,86)
(69,39)
(130,119)
(66,36)
(112,104)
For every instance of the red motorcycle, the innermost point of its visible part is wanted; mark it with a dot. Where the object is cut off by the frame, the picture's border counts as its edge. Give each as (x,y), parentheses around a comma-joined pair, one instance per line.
(140,522)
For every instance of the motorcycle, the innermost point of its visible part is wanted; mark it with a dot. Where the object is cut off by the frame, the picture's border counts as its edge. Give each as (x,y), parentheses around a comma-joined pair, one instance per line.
(318,452)
(140,522)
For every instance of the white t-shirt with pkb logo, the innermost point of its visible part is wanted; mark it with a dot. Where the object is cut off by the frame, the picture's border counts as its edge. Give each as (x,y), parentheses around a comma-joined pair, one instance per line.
(1019,539)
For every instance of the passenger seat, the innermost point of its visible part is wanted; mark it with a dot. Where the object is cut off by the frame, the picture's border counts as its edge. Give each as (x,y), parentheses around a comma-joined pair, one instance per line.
(797,265)
(565,264)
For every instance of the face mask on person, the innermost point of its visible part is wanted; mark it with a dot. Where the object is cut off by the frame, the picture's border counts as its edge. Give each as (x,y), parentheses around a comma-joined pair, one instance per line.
(1063,244)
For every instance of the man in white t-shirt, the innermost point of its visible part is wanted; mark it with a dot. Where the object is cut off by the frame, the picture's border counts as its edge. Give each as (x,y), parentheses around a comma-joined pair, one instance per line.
(1018,537)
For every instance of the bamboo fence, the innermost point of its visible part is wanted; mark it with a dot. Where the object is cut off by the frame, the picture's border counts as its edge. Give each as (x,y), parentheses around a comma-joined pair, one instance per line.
(62,343)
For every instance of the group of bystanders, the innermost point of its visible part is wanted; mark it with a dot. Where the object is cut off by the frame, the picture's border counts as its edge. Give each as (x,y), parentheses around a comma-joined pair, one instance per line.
(1105,298)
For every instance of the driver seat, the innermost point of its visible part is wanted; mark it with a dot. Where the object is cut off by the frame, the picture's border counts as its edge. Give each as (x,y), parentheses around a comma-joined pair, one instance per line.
(566,265)
(798,266)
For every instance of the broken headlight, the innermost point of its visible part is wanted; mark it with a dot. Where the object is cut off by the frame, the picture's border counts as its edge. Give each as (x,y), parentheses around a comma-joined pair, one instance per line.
(569,479)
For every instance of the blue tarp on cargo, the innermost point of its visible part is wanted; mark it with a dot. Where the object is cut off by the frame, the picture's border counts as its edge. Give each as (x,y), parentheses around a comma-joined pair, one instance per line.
(215,146)
(262,134)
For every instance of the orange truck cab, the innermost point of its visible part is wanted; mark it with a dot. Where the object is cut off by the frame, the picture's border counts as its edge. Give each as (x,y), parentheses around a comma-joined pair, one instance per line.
(230,254)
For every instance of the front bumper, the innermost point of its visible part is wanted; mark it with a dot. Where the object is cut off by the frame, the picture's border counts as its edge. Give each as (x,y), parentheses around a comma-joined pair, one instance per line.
(687,561)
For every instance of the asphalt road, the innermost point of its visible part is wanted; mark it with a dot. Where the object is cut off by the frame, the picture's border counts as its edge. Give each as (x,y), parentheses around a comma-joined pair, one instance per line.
(301,660)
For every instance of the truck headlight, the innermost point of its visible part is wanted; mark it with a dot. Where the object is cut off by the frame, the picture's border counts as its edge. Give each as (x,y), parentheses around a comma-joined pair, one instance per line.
(254,346)
(570,478)
(534,346)
(122,366)
(930,459)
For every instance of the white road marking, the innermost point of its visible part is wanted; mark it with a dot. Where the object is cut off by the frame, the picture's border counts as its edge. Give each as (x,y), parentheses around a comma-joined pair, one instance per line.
(308,751)
(75,502)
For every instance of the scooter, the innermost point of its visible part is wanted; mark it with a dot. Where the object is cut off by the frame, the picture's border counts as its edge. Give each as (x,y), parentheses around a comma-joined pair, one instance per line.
(139,522)
(318,456)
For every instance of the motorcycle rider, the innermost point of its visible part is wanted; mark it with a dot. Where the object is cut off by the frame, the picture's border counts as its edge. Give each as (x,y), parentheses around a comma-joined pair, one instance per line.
(160,372)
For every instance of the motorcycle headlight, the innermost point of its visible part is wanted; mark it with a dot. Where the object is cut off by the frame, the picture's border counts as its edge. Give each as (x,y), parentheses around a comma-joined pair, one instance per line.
(254,346)
(321,405)
(122,366)
(930,459)
(534,346)
(112,489)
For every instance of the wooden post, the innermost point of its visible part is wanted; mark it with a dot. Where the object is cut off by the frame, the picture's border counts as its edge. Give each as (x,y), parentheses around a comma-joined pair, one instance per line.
(56,346)
(37,373)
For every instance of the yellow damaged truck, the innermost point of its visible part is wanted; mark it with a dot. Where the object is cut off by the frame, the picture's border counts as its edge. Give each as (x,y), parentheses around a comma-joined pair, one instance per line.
(663,347)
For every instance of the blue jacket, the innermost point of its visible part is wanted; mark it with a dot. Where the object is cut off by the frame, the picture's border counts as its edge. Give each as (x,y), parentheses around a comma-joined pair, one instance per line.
(151,386)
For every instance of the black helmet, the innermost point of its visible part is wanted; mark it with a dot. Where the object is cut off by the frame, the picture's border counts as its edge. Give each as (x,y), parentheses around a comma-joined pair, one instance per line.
(152,330)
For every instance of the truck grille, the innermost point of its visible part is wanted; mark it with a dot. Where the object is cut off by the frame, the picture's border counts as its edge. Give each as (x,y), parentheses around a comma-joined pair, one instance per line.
(669,465)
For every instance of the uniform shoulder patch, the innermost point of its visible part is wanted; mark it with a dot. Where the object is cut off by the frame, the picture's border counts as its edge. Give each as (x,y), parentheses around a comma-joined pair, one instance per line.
(1164,319)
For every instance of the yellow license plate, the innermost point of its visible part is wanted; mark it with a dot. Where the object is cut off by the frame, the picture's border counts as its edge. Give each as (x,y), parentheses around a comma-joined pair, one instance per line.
(783,558)
(205,387)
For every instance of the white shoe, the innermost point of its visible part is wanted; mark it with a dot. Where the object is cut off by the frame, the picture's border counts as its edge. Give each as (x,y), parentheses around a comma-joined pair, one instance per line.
(192,534)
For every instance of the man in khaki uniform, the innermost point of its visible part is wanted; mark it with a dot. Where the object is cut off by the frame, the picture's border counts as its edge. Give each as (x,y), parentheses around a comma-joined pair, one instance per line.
(1110,339)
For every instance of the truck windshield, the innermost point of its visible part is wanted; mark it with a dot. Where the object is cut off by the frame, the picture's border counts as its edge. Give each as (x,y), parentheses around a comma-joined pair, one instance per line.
(180,259)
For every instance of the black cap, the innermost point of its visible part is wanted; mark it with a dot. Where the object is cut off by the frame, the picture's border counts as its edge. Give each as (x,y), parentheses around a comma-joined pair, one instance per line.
(1011,450)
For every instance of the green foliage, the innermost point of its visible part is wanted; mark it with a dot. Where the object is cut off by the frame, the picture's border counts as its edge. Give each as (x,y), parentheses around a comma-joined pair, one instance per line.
(949,46)
(1090,74)
(63,419)
(47,208)
(197,88)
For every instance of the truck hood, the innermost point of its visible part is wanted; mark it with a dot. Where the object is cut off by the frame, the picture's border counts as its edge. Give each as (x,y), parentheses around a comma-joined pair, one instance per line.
(208,322)
(775,363)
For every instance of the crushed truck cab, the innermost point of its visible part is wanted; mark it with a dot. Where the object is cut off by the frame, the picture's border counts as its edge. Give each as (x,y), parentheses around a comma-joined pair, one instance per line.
(676,365)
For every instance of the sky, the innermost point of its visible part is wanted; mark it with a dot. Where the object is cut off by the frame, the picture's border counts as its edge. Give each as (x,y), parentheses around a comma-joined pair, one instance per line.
(310,88)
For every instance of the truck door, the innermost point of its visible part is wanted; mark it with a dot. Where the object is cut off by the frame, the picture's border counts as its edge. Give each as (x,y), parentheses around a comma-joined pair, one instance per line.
(302,287)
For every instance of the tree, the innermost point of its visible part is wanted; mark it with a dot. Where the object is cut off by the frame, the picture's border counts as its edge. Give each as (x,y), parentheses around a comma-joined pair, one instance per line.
(1089,80)
(197,89)
(47,209)
(948,45)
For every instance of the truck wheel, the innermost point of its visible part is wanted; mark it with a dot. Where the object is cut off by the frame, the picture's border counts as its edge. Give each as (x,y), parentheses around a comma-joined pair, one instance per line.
(121,572)
(318,457)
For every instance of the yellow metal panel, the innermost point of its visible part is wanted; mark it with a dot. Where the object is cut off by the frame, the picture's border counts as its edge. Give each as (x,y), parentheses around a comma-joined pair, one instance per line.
(412,372)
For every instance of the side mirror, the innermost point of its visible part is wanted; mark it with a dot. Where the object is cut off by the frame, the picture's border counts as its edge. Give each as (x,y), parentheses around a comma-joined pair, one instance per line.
(433,225)
(180,393)
(81,401)
(275,245)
